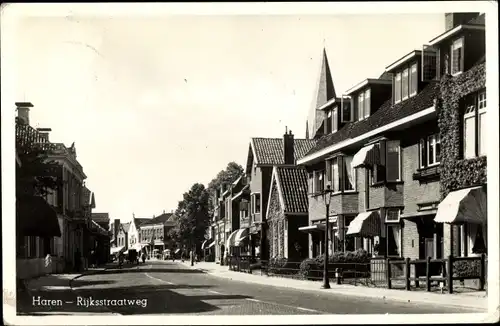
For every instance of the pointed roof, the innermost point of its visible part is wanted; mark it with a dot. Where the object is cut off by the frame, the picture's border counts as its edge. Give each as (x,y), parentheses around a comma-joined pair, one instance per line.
(324,91)
(291,184)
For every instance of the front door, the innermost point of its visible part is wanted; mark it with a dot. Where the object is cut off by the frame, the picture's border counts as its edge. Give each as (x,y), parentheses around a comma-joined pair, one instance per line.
(429,248)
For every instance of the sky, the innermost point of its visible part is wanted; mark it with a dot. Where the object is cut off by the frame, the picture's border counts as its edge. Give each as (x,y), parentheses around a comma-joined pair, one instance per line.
(155,105)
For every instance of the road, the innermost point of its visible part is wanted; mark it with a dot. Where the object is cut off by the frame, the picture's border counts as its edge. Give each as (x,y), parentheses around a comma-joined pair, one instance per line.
(159,287)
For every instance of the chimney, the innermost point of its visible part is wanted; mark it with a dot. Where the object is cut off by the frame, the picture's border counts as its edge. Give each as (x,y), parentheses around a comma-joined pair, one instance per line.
(44,133)
(116,227)
(23,111)
(288,147)
(453,20)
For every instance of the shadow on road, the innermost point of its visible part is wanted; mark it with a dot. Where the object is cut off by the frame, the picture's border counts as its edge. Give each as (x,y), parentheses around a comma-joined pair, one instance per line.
(141,299)
(151,270)
(88,282)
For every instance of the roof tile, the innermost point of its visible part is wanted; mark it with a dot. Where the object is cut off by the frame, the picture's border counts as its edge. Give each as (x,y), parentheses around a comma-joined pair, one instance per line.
(386,114)
(293,182)
(270,150)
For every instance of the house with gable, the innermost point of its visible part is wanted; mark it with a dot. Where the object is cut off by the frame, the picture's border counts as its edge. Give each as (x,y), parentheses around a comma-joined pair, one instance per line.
(134,240)
(384,163)
(153,233)
(236,199)
(263,155)
(70,201)
(287,211)
(457,59)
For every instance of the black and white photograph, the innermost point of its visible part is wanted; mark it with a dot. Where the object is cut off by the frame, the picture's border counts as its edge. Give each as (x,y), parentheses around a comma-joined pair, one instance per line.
(250,163)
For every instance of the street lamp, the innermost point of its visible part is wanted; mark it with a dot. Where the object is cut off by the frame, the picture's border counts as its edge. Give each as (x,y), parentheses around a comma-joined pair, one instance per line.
(327,197)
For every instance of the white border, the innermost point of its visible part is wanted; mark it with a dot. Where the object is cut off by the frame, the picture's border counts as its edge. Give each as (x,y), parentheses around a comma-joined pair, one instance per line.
(11,12)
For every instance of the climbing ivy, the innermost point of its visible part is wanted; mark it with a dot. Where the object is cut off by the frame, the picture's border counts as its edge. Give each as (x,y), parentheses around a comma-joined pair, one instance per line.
(457,172)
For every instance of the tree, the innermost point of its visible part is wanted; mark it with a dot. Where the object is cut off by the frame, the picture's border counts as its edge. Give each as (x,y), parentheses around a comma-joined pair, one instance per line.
(36,175)
(232,172)
(193,216)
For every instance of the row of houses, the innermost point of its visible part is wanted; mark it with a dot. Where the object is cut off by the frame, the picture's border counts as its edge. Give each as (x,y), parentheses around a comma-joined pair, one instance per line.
(403,155)
(143,234)
(58,230)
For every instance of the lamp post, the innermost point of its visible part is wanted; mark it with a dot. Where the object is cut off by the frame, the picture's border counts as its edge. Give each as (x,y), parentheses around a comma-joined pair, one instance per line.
(327,197)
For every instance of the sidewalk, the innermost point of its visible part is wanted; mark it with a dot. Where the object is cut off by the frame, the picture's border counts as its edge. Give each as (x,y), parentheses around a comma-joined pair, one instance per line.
(59,282)
(478,302)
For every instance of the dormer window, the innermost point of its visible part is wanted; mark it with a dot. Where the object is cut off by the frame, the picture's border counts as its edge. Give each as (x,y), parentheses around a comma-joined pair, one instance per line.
(364,105)
(406,83)
(397,88)
(413,79)
(457,56)
(335,120)
(329,122)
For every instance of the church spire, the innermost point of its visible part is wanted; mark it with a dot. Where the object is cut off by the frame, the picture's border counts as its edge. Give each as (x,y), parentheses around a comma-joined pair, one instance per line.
(325,91)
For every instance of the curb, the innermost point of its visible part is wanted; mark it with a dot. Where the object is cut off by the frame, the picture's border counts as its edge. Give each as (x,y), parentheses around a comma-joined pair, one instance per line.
(336,291)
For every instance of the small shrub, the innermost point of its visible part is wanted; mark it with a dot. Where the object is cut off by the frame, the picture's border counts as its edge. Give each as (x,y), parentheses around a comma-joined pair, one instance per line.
(309,268)
(466,268)
(280,266)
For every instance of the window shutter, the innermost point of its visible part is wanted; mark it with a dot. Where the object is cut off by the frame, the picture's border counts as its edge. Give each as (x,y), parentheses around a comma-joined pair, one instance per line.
(429,63)
(335,120)
(367,103)
(310,184)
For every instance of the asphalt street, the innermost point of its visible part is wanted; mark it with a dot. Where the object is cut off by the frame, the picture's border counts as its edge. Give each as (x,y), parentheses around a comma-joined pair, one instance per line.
(159,287)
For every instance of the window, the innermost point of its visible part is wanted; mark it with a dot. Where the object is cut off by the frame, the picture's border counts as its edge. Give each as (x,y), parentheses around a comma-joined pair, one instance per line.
(361,106)
(393,240)
(413,79)
(393,160)
(346,110)
(349,174)
(457,56)
(335,175)
(433,149)
(474,125)
(348,240)
(472,239)
(319,184)
(329,121)
(367,103)
(285,236)
(335,120)
(257,203)
(378,173)
(397,88)
(392,215)
(404,84)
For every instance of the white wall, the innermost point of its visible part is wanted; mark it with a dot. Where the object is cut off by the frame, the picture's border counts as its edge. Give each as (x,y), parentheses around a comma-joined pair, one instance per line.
(133,235)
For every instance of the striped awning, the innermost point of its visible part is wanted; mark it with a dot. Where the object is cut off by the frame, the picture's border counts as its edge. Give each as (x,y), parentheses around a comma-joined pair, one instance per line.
(312,228)
(463,206)
(230,239)
(368,155)
(241,235)
(366,224)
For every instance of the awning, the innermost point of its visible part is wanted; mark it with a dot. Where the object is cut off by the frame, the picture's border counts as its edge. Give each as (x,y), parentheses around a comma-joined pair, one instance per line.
(312,228)
(139,246)
(366,224)
(368,155)
(463,206)
(115,250)
(203,244)
(211,245)
(241,235)
(35,217)
(230,239)
(125,252)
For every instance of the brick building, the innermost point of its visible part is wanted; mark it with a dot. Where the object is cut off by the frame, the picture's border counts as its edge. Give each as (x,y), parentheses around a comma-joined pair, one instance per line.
(263,155)
(381,152)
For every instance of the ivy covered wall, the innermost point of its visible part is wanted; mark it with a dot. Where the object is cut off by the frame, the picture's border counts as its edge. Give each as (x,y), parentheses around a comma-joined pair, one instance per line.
(457,172)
